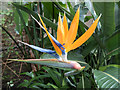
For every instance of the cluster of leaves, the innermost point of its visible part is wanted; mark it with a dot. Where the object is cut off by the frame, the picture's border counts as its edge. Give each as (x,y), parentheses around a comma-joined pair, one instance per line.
(99,54)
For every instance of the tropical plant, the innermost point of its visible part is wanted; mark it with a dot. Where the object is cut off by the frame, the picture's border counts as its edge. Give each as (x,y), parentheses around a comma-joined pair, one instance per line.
(99,55)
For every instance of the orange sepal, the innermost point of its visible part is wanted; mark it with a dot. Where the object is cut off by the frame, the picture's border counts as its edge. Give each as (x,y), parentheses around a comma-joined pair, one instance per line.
(60,32)
(65,25)
(72,31)
(85,36)
(57,49)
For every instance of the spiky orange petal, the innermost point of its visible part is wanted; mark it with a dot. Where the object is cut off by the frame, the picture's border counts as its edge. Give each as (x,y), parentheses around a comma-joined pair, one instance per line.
(57,49)
(72,31)
(85,36)
(65,25)
(60,32)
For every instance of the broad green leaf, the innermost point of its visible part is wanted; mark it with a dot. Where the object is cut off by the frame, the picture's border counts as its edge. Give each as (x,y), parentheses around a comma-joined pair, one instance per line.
(89,47)
(112,43)
(75,55)
(115,59)
(45,20)
(114,69)
(113,48)
(117,13)
(25,27)
(50,11)
(18,22)
(108,16)
(111,65)
(107,79)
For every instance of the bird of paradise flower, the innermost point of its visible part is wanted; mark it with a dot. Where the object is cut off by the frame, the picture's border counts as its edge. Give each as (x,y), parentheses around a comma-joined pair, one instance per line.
(65,42)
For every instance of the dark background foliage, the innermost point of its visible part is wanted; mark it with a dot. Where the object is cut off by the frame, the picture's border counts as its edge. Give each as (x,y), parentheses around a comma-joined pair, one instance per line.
(100,54)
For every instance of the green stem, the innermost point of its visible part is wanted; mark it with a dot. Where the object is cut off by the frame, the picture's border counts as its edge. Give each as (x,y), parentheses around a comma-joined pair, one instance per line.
(83,82)
(70,82)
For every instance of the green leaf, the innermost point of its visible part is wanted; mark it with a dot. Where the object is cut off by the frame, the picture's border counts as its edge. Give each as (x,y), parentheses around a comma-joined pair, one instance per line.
(18,21)
(108,16)
(112,43)
(117,13)
(38,85)
(23,22)
(70,8)
(84,83)
(107,79)
(30,74)
(50,10)
(45,20)
(114,71)
(46,56)
(54,76)
(75,55)
(87,18)
(24,84)
(89,47)
(111,65)
(52,85)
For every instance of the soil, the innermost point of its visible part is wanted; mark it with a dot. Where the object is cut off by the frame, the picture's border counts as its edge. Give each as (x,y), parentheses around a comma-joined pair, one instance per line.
(11,70)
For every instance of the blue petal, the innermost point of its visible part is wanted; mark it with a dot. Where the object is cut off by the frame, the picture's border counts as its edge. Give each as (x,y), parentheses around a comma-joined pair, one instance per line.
(51,52)
(55,55)
(42,49)
(56,42)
